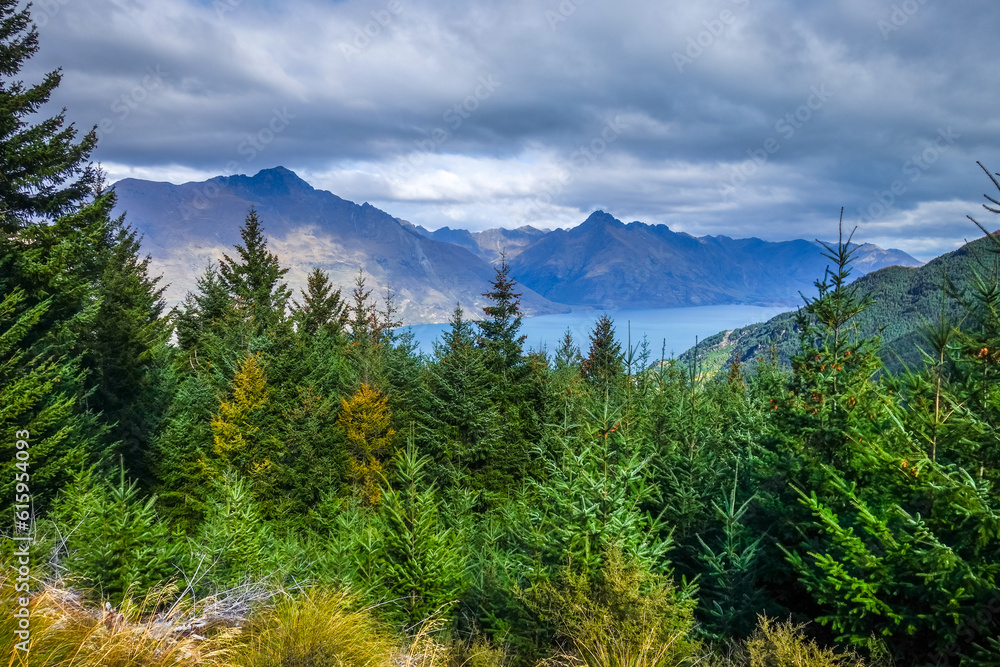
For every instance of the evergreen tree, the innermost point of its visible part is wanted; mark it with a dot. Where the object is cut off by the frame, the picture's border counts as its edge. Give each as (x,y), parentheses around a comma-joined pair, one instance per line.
(461,412)
(126,355)
(603,365)
(243,431)
(422,561)
(182,452)
(568,353)
(254,278)
(45,171)
(365,419)
(322,307)
(499,331)
(114,540)
(36,411)
(234,537)
(205,313)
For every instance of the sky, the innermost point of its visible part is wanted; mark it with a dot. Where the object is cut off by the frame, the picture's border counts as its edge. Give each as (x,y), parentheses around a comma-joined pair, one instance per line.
(735,117)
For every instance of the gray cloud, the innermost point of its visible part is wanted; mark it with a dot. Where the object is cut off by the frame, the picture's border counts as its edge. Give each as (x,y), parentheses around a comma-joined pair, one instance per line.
(737,117)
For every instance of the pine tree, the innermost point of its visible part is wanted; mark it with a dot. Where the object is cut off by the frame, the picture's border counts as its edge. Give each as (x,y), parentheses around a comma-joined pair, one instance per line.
(603,365)
(243,431)
(205,313)
(126,355)
(182,452)
(568,353)
(322,307)
(499,331)
(45,171)
(234,536)
(461,412)
(36,411)
(366,419)
(115,542)
(254,278)
(422,561)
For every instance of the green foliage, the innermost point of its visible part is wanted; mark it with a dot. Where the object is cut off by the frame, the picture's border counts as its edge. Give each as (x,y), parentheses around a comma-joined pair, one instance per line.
(114,541)
(730,594)
(322,308)
(34,411)
(253,279)
(233,543)
(421,562)
(499,331)
(603,366)
(45,171)
(593,498)
(620,615)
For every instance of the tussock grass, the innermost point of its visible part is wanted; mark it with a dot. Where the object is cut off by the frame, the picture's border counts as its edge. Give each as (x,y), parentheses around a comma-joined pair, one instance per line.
(149,633)
(317,628)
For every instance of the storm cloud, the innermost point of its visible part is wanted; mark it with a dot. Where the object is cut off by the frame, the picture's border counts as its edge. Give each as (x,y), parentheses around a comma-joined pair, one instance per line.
(736,117)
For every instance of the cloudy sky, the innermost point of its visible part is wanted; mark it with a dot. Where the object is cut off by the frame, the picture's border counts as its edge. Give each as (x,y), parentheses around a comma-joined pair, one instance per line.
(737,117)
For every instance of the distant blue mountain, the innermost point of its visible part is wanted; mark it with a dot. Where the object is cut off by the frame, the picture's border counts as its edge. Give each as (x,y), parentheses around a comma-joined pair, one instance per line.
(602,263)
(605,263)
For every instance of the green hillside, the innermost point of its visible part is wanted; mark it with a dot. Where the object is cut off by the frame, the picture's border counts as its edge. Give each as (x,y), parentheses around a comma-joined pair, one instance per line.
(905,301)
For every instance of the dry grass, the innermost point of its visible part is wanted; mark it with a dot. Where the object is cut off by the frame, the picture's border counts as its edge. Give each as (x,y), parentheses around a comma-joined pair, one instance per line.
(317,628)
(153,633)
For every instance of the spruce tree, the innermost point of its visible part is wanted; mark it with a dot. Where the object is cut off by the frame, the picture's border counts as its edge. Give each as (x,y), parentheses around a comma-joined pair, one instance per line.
(366,422)
(36,411)
(204,313)
(568,353)
(499,331)
(322,307)
(422,562)
(461,414)
(126,355)
(254,278)
(44,169)
(603,365)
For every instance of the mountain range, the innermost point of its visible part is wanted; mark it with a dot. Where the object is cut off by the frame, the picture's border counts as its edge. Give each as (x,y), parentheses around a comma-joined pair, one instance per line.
(602,263)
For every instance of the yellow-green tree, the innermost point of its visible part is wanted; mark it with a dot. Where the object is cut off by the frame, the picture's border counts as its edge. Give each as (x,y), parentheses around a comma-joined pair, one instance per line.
(236,429)
(365,420)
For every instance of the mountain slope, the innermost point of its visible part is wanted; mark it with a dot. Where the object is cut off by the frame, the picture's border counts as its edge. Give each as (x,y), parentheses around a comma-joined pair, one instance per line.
(904,301)
(184,226)
(603,263)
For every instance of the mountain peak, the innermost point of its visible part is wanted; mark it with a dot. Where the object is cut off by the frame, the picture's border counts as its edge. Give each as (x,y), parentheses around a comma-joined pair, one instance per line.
(276,180)
(602,219)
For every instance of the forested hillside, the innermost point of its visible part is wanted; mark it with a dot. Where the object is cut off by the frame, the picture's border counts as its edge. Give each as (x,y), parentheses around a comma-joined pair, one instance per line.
(265,478)
(908,305)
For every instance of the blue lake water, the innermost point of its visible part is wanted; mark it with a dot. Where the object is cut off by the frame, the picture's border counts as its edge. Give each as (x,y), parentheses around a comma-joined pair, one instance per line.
(672,329)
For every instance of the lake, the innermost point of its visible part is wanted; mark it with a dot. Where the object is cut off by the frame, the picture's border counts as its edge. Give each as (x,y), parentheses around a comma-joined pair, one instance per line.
(671,328)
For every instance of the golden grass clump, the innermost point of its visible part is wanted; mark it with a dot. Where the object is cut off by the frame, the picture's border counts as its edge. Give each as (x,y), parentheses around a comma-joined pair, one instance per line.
(318,628)
(66,633)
